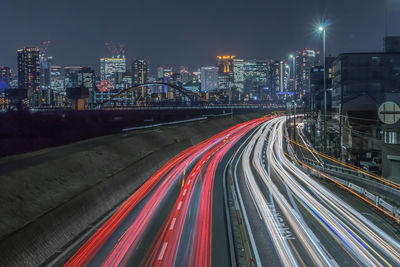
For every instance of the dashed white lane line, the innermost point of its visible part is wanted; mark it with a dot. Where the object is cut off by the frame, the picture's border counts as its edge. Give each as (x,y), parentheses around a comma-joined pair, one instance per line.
(179,205)
(184,192)
(172,224)
(162,252)
(188,183)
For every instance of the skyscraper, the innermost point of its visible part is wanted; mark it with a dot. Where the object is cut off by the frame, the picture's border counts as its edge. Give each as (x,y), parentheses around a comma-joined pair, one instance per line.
(225,72)
(239,75)
(109,67)
(140,71)
(160,73)
(283,76)
(45,72)
(72,76)
(305,60)
(29,73)
(186,76)
(209,79)
(57,79)
(79,76)
(250,76)
(5,78)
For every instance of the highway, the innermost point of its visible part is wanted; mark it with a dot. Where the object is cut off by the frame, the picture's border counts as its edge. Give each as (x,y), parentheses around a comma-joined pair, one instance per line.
(305,222)
(176,218)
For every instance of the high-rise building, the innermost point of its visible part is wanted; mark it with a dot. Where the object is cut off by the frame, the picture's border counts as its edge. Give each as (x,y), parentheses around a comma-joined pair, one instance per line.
(239,76)
(57,79)
(186,76)
(209,79)
(251,76)
(72,76)
(277,80)
(88,79)
(45,72)
(5,78)
(46,94)
(225,72)
(57,86)
(140,71)
(274,77)
(305,60)
(283,76)
(78,77)
(109,67)
(29,73)
(160,73)
(168,72)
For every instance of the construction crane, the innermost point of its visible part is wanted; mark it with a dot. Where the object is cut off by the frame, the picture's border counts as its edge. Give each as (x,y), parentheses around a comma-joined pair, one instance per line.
(116,49)
(43,48)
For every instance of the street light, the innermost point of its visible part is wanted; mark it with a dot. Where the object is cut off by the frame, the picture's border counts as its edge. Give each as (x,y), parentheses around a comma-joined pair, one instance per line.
(323,30)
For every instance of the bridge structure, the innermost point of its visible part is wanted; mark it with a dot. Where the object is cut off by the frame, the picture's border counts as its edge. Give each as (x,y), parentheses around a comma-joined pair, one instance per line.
(141,93)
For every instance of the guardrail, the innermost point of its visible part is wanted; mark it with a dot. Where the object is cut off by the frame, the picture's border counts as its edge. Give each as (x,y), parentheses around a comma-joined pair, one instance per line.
(191,107)
(363,185)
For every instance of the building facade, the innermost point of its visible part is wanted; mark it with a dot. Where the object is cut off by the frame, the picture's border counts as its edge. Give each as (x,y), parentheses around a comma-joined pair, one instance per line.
(225,72)
(304,61)
(140,71)
(209,79)
(361,83)
(5,78)
(110,67)
(29,74)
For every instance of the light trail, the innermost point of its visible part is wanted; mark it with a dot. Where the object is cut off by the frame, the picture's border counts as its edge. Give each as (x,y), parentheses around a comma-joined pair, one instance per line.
(197,247)
(195,198)
(364,242)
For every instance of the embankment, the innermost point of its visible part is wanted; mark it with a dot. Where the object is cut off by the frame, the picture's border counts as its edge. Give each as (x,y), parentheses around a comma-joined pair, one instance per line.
(49,197)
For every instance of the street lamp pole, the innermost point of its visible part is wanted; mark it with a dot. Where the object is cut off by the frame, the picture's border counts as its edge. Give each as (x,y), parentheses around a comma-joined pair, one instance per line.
(323,30)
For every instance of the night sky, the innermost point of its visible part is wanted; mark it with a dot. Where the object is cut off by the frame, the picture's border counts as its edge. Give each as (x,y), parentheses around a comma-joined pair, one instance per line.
(176,32)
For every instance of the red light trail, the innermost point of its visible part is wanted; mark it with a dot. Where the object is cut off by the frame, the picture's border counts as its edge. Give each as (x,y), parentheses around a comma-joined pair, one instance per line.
(176,242)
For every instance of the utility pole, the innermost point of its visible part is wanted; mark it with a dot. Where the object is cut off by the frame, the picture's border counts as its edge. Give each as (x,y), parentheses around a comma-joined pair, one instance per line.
(294,120)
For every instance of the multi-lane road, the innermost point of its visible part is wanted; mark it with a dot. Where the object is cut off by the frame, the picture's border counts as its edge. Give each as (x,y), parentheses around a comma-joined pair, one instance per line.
(177,217)
(305,222)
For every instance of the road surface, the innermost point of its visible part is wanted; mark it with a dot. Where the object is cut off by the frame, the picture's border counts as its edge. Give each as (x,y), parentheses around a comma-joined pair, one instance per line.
(304,222)
(176,218)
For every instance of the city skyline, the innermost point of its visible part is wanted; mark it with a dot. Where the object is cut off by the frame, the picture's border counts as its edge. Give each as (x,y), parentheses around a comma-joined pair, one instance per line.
(74,41)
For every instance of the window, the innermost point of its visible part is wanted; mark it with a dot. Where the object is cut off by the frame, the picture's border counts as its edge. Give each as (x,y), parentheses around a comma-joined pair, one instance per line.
(391,138)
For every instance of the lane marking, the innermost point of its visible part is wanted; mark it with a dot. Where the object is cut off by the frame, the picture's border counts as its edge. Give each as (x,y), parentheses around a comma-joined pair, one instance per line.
(179,205)
(188,183)
(162,252)
(172,224)
(184,192)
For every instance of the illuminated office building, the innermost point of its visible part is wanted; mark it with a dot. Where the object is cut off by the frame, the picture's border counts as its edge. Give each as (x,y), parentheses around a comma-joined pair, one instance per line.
(5,78)
(305,60)
(225,72)
(209,79)
(109,67)
(140,71)
(29,73)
